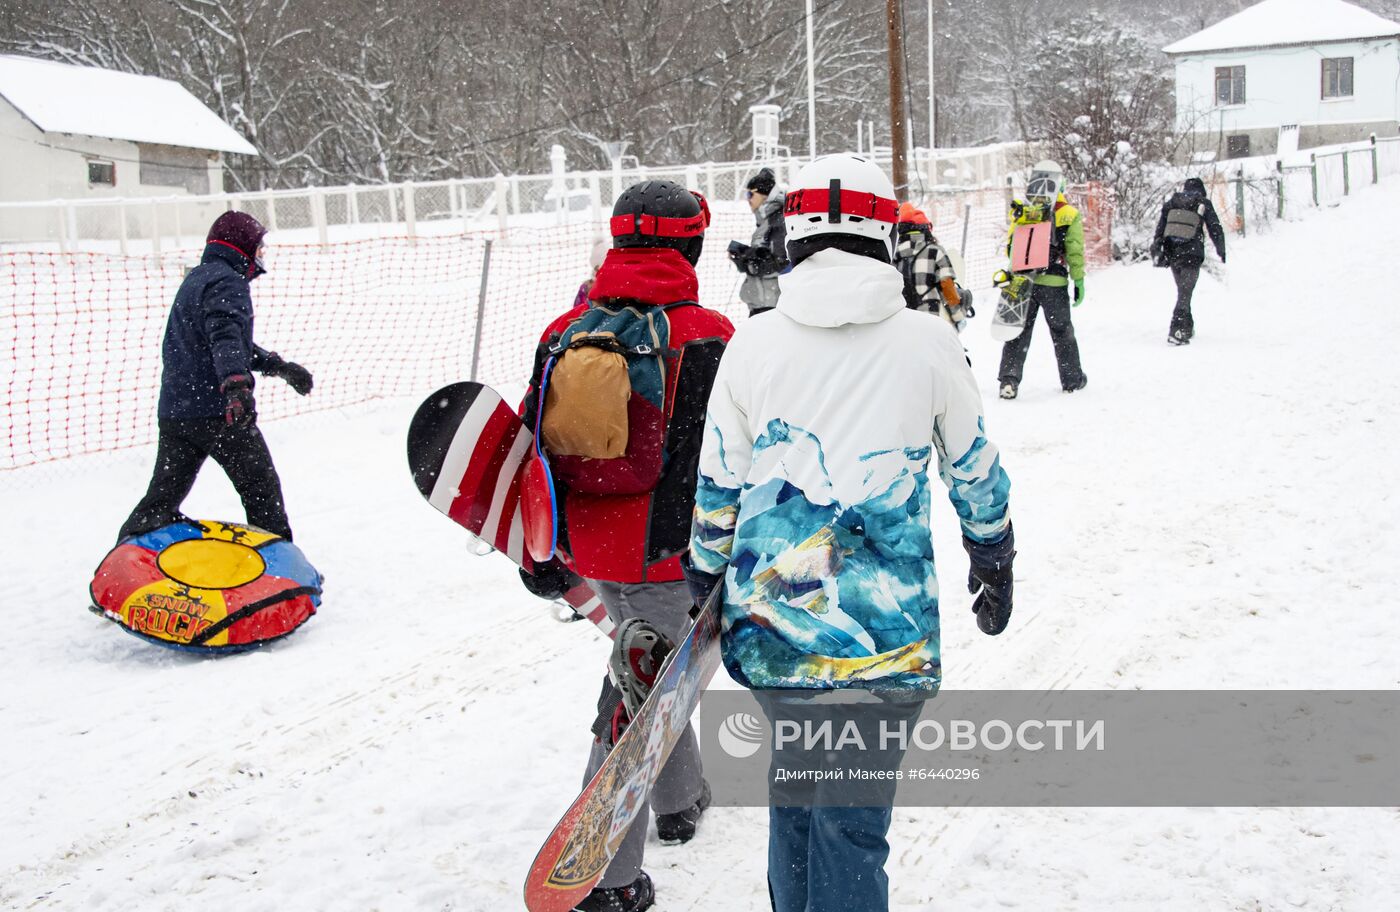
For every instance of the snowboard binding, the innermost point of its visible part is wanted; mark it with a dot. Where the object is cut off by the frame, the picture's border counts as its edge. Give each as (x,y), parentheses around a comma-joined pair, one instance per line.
(638,655)
(1012,305)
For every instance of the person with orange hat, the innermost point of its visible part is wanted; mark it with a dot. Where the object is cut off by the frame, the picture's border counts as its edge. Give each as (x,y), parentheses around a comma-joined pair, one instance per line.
(930,283)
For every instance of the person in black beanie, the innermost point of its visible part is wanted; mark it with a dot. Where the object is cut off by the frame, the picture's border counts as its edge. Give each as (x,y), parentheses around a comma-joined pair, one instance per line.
(206,406)
(766,255)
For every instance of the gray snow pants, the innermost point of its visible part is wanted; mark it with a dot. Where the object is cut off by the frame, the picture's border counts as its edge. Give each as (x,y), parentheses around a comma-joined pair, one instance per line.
(667,605)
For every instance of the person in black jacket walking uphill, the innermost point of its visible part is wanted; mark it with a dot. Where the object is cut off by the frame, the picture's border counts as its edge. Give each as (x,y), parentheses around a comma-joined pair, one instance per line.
(1180,244)
(206,404)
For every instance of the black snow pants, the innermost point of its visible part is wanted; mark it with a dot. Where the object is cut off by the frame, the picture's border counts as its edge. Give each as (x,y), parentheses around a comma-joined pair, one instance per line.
(1186,275)
(1054,301)
(240,451)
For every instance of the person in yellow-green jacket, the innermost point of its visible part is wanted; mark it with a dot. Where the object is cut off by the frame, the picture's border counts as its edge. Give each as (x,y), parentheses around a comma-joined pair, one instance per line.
(1045,200)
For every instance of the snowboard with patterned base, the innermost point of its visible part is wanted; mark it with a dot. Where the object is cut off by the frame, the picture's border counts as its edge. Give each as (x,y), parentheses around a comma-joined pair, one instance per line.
(578,851)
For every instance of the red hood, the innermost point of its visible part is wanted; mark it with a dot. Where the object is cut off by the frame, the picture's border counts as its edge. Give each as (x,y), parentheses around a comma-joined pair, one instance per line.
(648,275)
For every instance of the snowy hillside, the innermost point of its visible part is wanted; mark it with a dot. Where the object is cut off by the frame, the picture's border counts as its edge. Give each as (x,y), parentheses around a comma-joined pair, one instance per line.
(1216,516)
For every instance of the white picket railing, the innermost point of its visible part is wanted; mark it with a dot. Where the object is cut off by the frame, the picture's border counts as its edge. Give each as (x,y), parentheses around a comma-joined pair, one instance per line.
(319,214)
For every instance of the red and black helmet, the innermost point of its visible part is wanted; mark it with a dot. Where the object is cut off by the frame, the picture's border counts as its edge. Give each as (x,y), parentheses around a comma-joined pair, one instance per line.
(658,213)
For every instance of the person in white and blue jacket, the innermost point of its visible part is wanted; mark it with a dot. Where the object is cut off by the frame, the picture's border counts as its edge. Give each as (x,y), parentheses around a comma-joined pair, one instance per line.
(813,502)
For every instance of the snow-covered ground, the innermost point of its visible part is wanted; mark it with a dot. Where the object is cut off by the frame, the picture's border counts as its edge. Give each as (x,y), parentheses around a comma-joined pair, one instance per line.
(1218,516)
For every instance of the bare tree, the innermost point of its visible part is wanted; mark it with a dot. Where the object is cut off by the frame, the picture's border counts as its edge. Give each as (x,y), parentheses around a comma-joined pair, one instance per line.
(331,91)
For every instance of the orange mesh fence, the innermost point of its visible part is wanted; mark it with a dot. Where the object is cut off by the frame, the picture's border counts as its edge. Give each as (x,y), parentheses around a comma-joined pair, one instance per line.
(379,317)
(385,316)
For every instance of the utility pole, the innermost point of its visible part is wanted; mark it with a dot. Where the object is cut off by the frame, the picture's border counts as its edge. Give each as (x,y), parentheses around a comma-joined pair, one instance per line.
(932,112)
(897,117)
(811,90)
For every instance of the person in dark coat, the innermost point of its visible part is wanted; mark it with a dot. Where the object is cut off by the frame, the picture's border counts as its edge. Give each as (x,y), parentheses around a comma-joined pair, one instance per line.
(206,406)
(1180,244)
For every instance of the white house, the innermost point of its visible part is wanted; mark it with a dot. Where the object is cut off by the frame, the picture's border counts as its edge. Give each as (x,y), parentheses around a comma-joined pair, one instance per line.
(1314,72)
(75,133)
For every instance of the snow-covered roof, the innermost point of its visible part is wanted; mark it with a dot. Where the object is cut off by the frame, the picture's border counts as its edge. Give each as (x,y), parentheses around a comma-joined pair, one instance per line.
(1285,22)
(62,98)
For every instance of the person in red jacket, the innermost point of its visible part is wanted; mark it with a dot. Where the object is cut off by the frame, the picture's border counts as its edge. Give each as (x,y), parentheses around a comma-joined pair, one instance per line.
(628,545)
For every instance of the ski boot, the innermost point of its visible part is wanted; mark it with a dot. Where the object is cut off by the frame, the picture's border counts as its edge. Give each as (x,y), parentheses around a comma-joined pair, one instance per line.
(1179,337)
(634,897)
(1083,382)
(1008,391)
(678,828)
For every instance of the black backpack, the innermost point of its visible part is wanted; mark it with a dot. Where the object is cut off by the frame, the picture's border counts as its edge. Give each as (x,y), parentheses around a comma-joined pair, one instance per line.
(906,269)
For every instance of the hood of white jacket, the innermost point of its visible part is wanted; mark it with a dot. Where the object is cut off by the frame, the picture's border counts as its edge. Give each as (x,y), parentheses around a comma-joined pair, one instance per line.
(836,288)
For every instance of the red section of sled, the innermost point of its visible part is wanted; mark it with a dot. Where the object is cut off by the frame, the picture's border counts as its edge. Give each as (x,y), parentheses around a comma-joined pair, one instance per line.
(537,509)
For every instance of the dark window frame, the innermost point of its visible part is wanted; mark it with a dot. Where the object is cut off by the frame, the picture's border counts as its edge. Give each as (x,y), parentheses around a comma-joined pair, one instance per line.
(1338,77)
(1232,80)
(94,172)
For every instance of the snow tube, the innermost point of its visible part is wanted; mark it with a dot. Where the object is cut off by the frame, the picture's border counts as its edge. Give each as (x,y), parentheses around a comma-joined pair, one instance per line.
(206,586)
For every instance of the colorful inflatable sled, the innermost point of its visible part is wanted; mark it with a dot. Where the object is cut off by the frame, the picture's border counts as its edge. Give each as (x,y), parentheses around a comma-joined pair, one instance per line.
(206,586)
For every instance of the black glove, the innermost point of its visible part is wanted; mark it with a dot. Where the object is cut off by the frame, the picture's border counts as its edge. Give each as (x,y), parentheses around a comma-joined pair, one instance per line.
(550,580)
(761,262)
(701,583)
(239,410)
(739,254)
(991,574)
(296,376)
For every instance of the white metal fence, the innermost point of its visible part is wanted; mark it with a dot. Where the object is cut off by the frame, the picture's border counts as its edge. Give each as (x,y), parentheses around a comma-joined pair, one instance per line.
(321,214)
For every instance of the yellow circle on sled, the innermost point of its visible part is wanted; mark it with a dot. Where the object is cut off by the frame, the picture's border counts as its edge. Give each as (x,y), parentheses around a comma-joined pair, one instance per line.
(207,563)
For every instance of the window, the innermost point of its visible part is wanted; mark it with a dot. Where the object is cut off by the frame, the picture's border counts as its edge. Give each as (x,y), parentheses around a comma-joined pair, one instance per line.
(1229,86)
(172,166)
(1237,146)
(101,173)
(1336,77)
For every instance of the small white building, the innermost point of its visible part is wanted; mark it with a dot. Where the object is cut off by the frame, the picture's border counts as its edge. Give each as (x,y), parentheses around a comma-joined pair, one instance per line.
(1304,72)
(79,133)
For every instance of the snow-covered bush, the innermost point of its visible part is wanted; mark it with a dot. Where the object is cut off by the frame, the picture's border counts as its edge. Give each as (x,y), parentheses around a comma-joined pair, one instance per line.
(1098,99)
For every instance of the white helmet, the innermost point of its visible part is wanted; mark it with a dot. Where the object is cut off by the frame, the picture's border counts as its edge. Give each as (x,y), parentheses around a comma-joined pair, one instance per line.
(1047,182)
(841,194)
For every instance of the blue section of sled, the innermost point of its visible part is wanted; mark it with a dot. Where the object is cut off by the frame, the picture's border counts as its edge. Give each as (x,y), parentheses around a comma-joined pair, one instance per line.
(160,539)
(285,559)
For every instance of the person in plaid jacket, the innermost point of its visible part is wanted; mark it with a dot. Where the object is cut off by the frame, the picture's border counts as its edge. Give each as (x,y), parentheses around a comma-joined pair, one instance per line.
(930,284)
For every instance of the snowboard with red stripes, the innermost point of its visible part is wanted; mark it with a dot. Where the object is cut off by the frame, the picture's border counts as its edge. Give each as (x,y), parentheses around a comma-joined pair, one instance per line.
(467,450)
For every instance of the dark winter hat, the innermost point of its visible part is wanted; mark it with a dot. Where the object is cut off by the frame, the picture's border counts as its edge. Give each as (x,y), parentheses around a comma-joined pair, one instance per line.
(762,182)
(656,213)
(238,229)
(1195,186)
